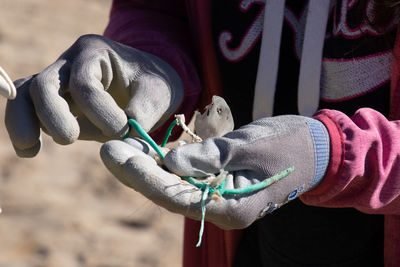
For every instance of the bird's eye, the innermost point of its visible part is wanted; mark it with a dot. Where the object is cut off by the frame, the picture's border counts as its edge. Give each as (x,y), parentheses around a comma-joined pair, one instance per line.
(219,111)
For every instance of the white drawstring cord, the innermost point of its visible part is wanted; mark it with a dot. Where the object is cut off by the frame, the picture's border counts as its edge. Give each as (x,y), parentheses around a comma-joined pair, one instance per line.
(311,58)
(268,62)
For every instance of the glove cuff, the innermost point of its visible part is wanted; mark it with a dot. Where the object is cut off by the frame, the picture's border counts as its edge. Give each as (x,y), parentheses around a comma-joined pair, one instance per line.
(321,142)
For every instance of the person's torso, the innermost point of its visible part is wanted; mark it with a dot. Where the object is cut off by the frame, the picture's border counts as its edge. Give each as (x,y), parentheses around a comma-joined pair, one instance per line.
(356,58)
(355,74)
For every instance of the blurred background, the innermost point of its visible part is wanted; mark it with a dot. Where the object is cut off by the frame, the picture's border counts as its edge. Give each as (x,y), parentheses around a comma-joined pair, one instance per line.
(63,208)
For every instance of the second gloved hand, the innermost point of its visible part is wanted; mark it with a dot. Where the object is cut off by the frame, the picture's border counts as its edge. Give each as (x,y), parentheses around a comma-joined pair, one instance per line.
(88,94)
(250,154)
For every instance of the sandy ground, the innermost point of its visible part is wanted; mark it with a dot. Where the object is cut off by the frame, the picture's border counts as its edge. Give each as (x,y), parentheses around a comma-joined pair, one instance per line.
(63,208)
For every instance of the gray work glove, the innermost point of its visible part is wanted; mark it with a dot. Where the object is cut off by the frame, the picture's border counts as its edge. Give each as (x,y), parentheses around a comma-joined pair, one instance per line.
(251,154)
(88,94)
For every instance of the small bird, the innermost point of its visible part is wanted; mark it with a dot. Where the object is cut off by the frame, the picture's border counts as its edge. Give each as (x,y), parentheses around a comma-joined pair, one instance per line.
(216,119)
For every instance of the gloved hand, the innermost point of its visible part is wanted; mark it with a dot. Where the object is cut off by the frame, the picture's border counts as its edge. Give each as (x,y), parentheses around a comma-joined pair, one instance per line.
(88,94)
(251,154)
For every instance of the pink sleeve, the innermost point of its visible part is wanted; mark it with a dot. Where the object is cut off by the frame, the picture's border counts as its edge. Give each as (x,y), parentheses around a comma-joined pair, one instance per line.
(160,28)
(364,170)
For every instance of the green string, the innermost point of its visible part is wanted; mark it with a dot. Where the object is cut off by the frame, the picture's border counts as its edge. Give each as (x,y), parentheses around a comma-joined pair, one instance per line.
(168,134)
(145,136)
(203,214)
(243,190)
(207,190)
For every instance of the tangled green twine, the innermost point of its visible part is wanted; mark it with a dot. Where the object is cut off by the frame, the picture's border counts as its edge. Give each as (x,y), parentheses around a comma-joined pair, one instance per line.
(207,189)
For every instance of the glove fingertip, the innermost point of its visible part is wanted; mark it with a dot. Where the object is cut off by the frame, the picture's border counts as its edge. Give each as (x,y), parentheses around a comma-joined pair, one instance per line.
(180,164)
(196,159)
(114,126)
(67,137)
(115,152)
(114,157)
(28,152)
(174,162)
